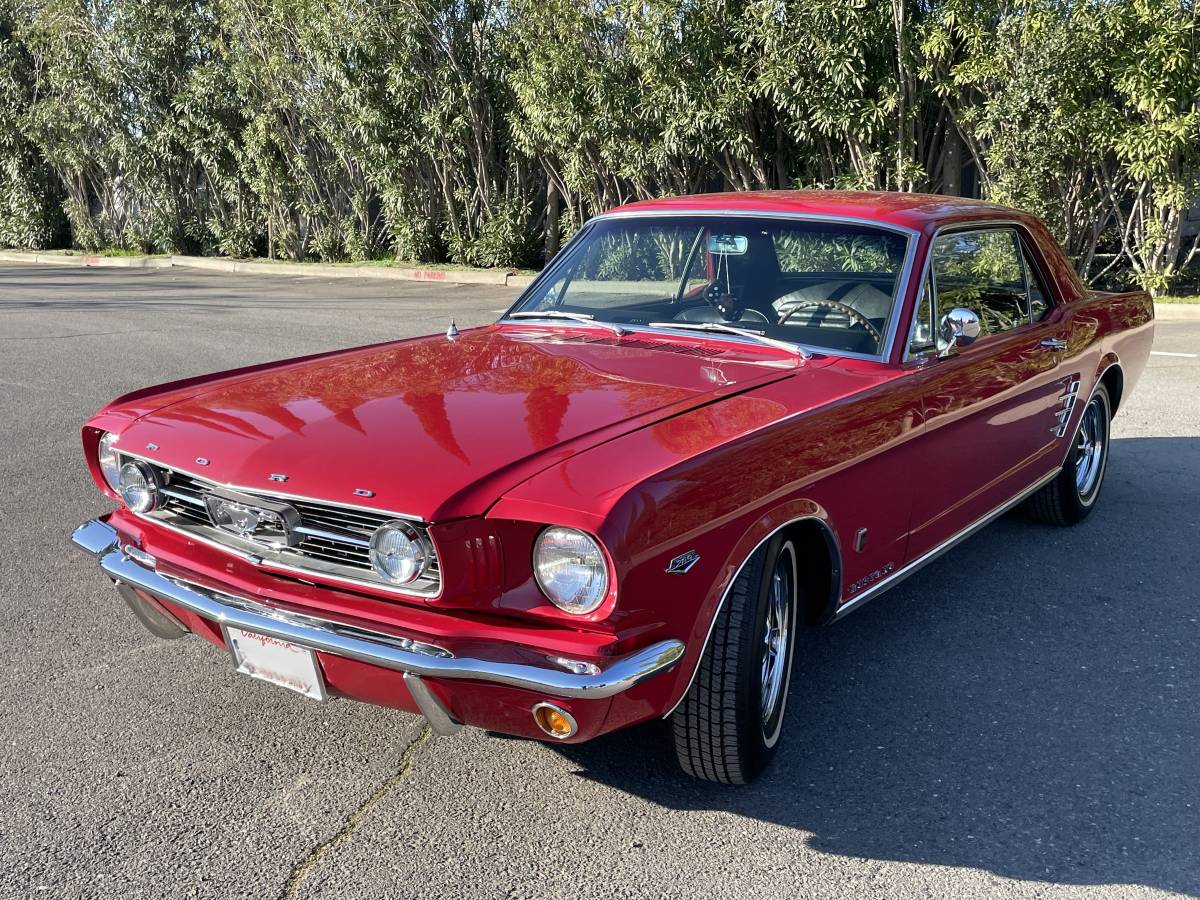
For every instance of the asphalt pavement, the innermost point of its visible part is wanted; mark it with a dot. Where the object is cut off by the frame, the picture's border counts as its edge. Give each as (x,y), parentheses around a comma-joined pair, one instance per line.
(1020,719)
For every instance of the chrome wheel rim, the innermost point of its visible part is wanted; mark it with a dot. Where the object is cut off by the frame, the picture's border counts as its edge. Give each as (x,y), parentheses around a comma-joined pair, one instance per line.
(1089,449)
(777,633)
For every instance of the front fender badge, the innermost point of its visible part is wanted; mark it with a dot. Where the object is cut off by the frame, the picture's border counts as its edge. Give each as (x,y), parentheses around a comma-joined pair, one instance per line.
(683,563)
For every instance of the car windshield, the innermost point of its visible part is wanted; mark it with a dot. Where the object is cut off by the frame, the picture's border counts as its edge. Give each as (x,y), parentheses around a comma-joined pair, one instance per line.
(828,285)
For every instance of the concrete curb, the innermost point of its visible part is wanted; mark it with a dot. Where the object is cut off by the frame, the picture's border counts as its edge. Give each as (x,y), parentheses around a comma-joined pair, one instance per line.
(100,262)
(250,267)
(1177,311)
(1164,311)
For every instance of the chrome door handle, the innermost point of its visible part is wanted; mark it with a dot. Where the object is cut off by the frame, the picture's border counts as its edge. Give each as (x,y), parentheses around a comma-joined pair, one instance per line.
(1054,344)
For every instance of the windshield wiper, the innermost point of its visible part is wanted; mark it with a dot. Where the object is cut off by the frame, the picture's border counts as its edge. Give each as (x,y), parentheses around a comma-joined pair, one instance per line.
(585,318)
(733,329)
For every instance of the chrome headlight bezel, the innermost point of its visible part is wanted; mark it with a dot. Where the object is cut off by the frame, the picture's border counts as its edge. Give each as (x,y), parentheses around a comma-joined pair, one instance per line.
(418,555)
(577,592)
(109,461)
(138,486)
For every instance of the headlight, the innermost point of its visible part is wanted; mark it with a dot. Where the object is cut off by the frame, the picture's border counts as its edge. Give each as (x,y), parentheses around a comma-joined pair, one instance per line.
(110,464)
(399,553)
(569,568)
(138,486)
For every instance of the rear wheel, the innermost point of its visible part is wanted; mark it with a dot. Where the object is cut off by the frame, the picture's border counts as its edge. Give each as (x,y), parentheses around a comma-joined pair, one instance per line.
(729,724)
(1070,497)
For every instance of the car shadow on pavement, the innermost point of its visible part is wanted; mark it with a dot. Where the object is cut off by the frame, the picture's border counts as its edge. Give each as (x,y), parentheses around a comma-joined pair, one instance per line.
(1028,705)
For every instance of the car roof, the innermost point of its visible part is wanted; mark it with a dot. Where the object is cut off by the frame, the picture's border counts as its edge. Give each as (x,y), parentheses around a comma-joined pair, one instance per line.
(920,212)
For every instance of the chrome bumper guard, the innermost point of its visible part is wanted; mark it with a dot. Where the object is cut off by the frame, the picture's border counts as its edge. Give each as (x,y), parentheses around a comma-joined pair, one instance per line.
(134,567)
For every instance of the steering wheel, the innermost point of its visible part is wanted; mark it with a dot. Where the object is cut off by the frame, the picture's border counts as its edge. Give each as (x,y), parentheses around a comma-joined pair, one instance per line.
(853,314)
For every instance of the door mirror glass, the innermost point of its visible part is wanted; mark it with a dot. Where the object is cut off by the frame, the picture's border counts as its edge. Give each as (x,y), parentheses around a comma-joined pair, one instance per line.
(959,328)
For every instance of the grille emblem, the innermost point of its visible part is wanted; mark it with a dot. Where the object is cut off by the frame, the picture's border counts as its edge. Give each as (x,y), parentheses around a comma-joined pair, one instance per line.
(254,519)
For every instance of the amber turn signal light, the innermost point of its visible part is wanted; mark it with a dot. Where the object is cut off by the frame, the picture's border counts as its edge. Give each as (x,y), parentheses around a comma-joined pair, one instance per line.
(554,720)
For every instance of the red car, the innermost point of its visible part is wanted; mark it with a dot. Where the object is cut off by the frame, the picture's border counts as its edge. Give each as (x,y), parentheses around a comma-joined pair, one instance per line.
(710,422)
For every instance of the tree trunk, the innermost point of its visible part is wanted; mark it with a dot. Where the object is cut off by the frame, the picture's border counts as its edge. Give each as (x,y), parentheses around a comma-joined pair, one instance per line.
(553,208)
(952,163)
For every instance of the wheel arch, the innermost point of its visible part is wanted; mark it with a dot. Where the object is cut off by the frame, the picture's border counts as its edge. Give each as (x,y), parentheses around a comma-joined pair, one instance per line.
(1112,376)
(818,559)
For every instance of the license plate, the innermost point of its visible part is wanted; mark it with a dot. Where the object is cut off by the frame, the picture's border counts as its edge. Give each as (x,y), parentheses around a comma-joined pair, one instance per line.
(279,662)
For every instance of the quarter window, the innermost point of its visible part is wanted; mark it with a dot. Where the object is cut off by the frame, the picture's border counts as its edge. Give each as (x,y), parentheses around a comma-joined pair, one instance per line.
(1039,303)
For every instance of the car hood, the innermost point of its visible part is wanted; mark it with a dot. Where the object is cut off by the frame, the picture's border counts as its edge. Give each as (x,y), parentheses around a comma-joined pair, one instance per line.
(434,427)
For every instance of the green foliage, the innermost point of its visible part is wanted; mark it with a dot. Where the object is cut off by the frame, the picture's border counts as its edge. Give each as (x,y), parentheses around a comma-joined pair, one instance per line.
(30,203)
(479,131)
(801,252)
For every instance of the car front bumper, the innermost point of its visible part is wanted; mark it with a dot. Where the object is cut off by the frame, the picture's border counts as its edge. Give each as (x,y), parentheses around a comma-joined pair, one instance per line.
(158,599)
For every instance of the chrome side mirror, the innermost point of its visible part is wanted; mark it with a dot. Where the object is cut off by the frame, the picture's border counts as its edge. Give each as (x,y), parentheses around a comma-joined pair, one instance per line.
(959,328)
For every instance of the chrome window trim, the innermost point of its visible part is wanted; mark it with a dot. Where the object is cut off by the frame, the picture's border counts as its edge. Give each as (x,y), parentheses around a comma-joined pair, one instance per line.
(272,565)
(979,225)
(753,214)
(902,278)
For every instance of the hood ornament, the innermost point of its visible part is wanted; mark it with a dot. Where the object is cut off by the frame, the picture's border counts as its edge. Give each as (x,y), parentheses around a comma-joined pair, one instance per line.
(452,331)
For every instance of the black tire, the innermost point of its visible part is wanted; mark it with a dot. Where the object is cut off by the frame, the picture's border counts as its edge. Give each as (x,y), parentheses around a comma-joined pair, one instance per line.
(722,732)
(1064,501)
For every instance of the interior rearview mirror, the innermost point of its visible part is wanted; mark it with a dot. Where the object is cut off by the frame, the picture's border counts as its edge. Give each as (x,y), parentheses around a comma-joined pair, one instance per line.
(728,244)
(959,328)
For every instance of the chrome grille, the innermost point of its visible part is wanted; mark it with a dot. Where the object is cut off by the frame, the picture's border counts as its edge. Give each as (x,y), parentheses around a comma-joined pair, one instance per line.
(336,539)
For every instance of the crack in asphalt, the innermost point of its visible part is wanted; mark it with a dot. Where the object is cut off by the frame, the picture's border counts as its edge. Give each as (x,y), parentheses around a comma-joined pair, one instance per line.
(302,868)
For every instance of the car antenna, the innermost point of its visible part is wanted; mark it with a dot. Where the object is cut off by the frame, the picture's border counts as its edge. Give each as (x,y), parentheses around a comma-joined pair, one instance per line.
(452,331)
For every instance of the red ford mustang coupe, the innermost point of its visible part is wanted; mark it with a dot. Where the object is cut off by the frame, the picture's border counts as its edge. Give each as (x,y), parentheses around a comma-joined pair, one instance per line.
(710,422)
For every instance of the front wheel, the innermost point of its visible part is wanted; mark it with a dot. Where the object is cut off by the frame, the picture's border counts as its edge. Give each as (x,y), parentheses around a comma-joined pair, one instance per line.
(1069,498)
(728,726)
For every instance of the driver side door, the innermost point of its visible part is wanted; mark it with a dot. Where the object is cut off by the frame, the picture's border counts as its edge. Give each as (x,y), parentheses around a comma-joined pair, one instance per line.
(990,408)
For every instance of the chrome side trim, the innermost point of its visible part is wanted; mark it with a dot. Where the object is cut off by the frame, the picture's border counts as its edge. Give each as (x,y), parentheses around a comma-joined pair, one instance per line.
(919,563)
(388,651)
(1068,406)
(837,576)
